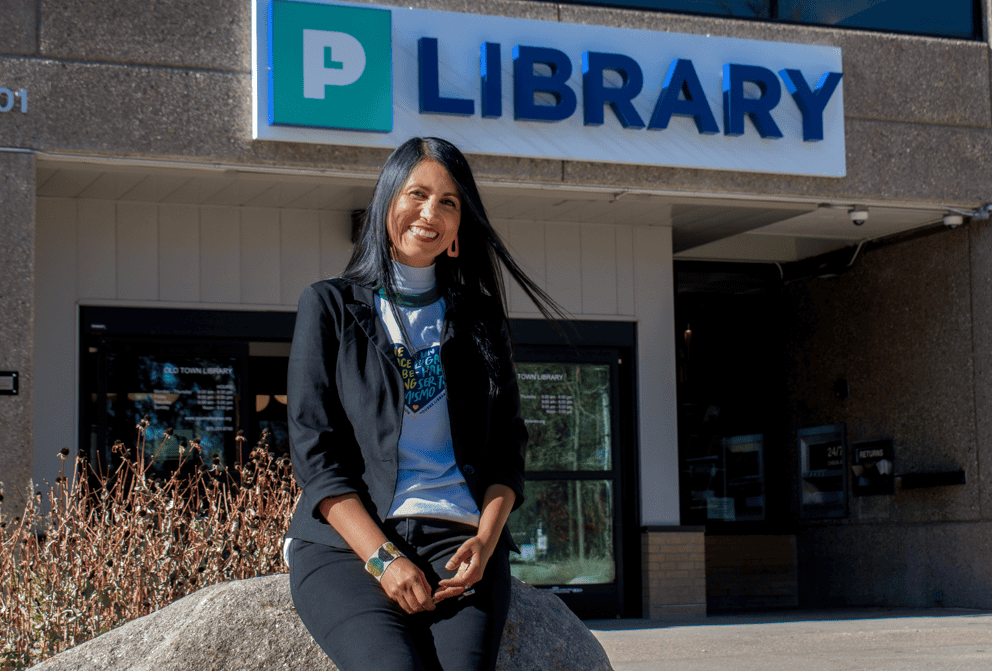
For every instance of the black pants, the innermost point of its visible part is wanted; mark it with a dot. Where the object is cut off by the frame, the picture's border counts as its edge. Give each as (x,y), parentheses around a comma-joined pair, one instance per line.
(362,629)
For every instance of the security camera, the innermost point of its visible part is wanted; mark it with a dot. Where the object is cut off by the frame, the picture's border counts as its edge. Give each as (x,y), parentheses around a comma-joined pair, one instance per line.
(858,216)
(953,220)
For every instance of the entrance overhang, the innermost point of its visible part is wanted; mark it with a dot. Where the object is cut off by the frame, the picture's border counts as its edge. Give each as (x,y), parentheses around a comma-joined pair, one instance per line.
(705,226)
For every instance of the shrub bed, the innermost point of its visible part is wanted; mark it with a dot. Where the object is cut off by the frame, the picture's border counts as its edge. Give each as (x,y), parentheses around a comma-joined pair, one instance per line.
(113,546)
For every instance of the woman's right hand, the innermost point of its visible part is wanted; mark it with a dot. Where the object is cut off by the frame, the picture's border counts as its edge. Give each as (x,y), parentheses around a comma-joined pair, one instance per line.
(403,582)
(407,585)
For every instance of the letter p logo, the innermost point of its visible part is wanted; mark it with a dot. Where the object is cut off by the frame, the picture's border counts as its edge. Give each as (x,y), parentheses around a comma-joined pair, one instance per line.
(330,66)
(330,59)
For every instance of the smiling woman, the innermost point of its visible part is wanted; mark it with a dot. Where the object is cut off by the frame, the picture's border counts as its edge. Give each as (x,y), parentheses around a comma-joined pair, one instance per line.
(424,218)
(405,429)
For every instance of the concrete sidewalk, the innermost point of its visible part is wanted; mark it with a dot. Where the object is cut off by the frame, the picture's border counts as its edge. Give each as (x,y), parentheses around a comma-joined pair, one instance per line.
(944,639)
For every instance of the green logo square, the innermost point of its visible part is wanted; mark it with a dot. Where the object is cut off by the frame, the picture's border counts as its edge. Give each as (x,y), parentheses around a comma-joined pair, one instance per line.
(330,66)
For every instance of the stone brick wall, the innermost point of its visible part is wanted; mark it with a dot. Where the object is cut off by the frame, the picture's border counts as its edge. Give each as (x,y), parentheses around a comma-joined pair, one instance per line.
(673,572)
(910,328)
(748,572)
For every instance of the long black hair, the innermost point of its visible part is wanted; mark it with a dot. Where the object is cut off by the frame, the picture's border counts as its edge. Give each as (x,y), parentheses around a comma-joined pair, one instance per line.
(463,281)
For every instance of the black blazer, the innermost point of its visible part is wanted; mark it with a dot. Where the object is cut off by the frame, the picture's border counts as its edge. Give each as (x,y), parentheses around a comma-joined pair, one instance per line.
(345,407)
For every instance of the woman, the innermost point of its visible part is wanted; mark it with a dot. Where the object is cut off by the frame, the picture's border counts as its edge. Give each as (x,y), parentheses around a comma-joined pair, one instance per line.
(405,429)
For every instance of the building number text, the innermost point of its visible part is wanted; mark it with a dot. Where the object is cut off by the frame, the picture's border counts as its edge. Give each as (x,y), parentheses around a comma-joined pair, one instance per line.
(9,99)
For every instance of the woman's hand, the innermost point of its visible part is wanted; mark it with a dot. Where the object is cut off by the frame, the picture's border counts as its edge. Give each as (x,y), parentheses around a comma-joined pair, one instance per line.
(472,557)
(470,560)
(403,582)
(407,585)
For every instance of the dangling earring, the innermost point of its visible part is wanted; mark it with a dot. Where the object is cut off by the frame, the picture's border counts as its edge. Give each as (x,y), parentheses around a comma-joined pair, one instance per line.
(453,249)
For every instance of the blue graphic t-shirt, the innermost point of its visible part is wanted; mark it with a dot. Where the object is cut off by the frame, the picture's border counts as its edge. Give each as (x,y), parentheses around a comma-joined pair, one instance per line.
(429,482)
(422,376)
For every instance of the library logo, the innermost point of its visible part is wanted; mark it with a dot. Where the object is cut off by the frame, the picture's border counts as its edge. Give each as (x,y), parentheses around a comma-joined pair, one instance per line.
(330,66)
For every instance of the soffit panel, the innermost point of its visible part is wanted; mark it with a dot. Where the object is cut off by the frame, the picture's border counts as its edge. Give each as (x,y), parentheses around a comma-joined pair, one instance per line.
(43,175)
(700,226)
(316,199)
(695,225)
(66,183)
(832,222)
(111,186)
(155,188)
(198,191)
(281,194)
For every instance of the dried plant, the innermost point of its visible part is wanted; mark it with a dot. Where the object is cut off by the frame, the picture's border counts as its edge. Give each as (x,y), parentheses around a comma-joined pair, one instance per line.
(115,546)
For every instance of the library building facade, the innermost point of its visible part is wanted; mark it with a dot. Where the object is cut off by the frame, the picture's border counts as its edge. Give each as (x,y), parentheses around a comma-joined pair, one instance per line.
(769,221)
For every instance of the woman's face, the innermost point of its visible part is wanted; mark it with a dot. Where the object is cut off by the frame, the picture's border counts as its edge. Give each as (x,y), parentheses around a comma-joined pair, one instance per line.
(424,217)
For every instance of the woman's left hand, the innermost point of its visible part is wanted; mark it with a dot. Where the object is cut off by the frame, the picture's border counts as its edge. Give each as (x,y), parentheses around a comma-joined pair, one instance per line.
(472,556)
(470,560)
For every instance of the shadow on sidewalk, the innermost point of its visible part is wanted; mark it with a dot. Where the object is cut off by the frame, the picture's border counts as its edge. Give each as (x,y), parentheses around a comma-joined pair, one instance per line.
(783,617)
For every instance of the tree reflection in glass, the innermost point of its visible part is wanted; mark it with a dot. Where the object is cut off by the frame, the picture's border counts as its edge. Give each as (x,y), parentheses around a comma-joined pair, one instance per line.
(565,526)
(565,533)
(566,408)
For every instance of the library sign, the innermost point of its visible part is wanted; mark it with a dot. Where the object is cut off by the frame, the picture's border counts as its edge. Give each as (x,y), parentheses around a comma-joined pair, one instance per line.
(375,76)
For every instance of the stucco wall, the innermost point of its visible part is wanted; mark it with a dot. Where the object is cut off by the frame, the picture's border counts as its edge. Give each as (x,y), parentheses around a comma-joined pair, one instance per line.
(17,270)
(902,326)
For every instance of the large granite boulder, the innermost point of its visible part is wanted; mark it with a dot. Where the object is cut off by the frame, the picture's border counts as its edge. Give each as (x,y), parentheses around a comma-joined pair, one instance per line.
(249,625)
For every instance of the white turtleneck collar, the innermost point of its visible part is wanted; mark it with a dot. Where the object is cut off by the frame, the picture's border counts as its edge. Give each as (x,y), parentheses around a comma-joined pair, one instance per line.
(410,280)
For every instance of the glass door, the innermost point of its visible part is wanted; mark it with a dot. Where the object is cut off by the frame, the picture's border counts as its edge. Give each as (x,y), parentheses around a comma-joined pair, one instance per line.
(196,374)
(568,527)
(185,390)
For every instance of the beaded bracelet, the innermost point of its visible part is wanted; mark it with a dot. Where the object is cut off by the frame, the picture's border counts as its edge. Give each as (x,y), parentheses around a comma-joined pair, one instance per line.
(383,557)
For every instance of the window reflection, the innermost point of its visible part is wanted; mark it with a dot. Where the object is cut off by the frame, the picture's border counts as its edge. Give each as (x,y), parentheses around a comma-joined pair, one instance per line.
(270,414)
(754,9)
(566,408)
(565,533)
(184,398)
(953,18)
